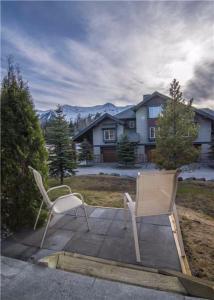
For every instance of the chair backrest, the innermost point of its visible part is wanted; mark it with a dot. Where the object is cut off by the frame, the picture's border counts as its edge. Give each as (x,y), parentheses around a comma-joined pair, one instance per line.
(39,182)
(156,192)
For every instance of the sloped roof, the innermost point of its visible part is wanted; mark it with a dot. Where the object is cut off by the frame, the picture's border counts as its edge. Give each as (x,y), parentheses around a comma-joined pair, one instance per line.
(126,114)
(95,123)
(205,112)
(149,97)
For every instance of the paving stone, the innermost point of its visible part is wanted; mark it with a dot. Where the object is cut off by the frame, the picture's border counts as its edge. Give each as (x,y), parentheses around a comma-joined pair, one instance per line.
(63,221)
(19,236)
(157,220)
(85,243)
(35,238)
(155,234)
(159,255)
(116,229)
(119,216)
(118,249)
(76,224)
(99,226)
(80,211)
(104,213)
(58,240)
(17,250)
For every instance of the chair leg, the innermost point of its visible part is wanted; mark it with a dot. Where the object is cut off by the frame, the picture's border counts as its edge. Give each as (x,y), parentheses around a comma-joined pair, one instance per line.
(46,228)
(75,209)
(136,241)
(86,217)
(37,218)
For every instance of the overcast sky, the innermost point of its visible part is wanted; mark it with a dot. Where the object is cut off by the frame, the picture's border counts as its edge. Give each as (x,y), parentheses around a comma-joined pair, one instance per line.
(87,53)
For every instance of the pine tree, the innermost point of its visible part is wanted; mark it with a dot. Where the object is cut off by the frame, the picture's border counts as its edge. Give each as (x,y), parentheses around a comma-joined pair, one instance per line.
(86,151)
(22,145)
(62,155)
(176,132)
(126,151)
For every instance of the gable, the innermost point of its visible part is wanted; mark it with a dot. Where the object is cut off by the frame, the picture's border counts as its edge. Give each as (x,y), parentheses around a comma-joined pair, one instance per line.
(155,99)
(104,119)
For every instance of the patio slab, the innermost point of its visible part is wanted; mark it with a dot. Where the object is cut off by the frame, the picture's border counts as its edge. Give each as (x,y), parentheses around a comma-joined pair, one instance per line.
(106,239)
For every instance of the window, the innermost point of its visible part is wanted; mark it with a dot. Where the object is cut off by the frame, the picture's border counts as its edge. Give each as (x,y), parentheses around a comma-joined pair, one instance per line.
(152,132)
(109,135)
(131,124)
(154,111)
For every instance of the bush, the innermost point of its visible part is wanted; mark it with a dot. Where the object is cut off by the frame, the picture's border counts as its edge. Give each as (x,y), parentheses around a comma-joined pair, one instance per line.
(22,145)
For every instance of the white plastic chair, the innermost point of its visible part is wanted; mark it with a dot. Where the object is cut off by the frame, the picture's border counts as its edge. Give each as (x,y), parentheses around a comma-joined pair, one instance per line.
(155,195)
(60,205)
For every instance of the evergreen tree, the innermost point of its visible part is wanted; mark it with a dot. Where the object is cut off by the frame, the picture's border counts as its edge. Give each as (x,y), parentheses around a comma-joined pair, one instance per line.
(86,152)
(126,151)
(176,132)
(22,145)
(62,155)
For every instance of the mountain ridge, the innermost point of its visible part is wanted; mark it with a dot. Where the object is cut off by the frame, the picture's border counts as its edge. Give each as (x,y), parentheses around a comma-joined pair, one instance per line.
(71,112)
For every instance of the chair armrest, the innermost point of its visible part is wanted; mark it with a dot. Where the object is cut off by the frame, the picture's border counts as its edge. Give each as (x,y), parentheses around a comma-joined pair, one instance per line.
(128,197)
(59,187)
(80,196)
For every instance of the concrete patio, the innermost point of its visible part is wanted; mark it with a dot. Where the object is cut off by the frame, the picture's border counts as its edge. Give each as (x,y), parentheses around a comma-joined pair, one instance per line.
(107,239)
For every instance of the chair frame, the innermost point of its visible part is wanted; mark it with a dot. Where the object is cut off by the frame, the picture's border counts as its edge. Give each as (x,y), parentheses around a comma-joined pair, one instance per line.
(51,208)
(129,204)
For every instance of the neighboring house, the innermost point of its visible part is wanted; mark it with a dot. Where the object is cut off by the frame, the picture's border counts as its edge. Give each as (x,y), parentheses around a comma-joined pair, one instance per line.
(139,123)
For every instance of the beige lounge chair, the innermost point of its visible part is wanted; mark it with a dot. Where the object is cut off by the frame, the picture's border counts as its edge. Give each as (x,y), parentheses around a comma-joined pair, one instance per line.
(60,205)
(155,195)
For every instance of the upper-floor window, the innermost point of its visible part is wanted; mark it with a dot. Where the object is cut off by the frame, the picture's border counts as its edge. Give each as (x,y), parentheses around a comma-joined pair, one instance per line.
(154,111)
(131,124)
(152,132)
(109,135)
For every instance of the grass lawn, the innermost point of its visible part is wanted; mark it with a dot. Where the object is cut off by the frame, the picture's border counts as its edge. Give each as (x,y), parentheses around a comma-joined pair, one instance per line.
(195,202)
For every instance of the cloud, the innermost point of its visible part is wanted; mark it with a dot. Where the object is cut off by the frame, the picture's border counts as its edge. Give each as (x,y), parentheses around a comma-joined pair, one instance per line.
(129,49)
(201,86)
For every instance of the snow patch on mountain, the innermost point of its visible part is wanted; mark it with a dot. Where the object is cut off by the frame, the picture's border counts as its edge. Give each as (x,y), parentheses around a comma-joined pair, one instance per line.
(71,112)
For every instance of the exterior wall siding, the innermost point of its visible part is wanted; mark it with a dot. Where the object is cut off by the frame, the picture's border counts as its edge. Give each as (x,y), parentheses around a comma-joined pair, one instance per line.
(142,124)
(204,134)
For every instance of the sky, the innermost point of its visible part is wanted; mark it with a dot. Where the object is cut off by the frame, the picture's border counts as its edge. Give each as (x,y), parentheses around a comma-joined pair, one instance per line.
(88,53)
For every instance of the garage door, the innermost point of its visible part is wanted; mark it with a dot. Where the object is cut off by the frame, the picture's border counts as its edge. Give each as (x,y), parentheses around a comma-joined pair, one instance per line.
(109,154)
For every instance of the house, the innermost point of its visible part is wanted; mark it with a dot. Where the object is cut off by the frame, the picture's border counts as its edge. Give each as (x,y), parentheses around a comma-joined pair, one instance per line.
(139,123)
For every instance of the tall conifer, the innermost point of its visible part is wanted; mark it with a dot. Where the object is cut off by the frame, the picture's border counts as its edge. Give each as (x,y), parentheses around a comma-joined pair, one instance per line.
(62,157)
(22,144)
(176,132)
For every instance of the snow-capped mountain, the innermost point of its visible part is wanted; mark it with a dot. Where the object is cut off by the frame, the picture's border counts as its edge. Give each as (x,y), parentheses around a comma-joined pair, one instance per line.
(71,112)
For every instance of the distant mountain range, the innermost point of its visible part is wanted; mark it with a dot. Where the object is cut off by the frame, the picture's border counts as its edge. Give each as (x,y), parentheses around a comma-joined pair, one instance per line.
(71,112)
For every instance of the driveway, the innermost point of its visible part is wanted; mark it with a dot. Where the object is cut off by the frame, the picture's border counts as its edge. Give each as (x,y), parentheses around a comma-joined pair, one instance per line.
(111,169)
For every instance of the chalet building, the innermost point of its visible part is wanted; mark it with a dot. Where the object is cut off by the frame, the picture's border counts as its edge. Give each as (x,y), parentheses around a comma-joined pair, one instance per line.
(139,123)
